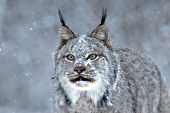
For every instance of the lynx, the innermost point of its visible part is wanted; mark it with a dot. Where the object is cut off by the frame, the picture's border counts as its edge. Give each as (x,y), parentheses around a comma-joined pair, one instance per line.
(93,77)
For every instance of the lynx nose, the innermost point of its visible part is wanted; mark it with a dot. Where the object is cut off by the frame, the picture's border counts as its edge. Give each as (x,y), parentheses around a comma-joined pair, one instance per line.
(79,69)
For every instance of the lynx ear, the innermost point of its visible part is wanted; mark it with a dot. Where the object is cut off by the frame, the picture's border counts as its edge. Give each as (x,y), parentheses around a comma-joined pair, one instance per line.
(101,32)
(65,33)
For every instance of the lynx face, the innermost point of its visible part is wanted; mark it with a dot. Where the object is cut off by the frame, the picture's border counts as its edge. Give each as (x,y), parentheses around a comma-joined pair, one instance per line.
(83,66)
(82,63)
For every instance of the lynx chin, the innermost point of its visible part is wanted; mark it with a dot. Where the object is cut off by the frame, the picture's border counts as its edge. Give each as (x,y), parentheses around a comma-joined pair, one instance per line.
(93,77)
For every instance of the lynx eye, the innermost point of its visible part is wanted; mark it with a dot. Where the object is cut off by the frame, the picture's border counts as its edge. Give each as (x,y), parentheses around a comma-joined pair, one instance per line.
(92,56)
(70,57)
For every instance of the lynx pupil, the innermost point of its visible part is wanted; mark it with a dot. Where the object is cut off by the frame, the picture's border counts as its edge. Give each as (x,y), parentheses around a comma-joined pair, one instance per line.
(70,57)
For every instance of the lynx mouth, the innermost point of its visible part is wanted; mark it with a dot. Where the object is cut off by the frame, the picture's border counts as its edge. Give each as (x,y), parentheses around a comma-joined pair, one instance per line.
(82,82)
(81,78)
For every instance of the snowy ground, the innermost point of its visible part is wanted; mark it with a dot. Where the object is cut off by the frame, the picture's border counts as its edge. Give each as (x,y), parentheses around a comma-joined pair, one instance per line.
(28,36)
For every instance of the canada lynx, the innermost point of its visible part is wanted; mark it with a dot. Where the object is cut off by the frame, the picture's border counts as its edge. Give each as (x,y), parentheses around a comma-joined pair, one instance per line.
(93,77)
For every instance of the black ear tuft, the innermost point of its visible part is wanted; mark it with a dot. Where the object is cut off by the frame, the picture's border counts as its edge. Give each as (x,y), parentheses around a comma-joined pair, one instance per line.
(65,33)
(104,15)
(101,32)
(61,18)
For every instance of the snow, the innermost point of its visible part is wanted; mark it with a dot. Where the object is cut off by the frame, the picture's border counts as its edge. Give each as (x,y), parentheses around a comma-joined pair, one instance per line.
(28,37)
(26,74)
(31,28)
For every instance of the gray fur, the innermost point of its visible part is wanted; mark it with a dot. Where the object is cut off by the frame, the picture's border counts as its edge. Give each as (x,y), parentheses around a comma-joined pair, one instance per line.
(114,80)
(126,81)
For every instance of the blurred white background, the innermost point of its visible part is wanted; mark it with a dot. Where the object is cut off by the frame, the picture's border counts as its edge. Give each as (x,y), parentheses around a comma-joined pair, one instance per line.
(28,36)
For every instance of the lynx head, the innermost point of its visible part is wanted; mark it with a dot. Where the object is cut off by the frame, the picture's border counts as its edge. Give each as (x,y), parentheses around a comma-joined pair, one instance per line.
(85,65)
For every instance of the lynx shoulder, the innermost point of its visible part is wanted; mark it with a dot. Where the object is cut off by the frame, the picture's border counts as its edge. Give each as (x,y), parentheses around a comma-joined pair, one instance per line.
(93,77)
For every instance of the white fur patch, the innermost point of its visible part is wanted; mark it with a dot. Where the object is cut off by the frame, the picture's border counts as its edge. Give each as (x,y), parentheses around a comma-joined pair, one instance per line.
(81,39)
(118,73)
(93,90)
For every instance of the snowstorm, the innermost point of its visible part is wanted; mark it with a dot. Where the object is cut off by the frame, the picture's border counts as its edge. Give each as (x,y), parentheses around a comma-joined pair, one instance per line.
(29,37)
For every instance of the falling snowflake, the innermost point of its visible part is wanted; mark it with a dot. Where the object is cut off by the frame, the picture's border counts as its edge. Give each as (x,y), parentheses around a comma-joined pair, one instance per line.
(31,28)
